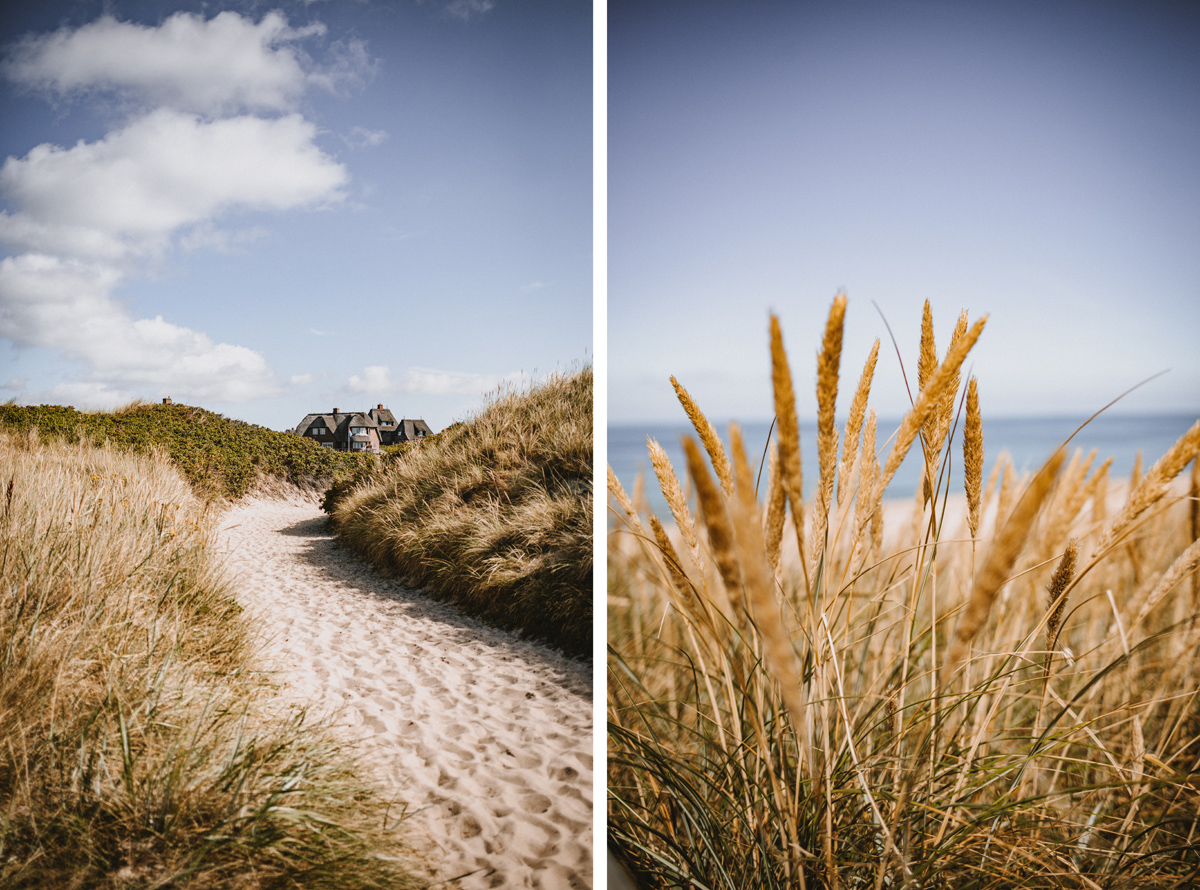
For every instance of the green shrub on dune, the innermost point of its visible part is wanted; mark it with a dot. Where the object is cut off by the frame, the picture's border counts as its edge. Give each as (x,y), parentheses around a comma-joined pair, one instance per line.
(494,514)
(222,458)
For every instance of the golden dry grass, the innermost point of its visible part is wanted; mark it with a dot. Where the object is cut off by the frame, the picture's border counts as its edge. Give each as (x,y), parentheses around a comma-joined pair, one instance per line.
(137,747)
(495,514)
(997,693)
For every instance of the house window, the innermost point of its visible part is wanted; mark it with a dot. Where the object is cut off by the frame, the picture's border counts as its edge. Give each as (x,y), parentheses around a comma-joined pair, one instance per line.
(318,431)
(326,444)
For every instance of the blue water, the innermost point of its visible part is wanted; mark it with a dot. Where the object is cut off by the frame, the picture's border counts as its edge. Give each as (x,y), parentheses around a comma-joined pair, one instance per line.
(1028,440)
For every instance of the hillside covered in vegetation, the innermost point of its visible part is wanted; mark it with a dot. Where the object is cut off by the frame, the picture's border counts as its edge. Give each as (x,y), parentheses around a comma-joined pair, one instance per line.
(494,514)
(142,745)
(220,457)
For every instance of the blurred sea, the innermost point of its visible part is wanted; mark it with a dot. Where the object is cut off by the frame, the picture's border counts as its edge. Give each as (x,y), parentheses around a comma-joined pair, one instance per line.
(1028,440)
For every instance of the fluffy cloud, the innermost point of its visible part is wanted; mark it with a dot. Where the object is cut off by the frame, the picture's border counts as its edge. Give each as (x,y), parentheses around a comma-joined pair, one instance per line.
(189,63)
(67,305)
(425,381)
(88,396)
(469,9)
(375,378)
(85,210)
(128,191)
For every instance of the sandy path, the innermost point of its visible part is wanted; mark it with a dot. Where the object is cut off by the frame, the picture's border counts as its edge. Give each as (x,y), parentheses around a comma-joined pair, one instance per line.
(488,736)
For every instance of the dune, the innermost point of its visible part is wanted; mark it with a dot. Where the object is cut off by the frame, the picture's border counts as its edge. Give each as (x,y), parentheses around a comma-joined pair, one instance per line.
(485,737)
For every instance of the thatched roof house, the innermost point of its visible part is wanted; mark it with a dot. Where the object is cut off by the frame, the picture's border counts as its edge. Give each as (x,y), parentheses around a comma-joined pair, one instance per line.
(360,430)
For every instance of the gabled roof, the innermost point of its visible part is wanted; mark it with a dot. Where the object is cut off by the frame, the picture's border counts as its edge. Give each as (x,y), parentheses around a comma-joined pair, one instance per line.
(383,415)
(413,429)
(310,419)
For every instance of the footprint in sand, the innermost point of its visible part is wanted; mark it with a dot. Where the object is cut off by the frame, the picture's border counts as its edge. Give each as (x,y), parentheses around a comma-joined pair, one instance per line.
(535,803)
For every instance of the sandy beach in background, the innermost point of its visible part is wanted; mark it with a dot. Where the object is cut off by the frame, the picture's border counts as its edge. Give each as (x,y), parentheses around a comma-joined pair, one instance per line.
(486,736)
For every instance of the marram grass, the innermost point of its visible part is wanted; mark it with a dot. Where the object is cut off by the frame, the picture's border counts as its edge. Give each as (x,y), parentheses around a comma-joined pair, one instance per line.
(138,748)
(997,693)
(496,514)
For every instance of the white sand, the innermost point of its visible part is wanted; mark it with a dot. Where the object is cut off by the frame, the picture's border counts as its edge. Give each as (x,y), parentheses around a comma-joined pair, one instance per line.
(489,737)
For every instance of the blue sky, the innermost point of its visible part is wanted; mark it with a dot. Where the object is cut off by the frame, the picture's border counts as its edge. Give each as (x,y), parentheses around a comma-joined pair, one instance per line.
(1033,161)
(272,209)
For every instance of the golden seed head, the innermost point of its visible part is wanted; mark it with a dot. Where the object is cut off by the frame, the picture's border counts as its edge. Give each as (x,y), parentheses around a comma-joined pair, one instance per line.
(708,436)
(1055,601)
(828,363)
(788,430)
(973,457)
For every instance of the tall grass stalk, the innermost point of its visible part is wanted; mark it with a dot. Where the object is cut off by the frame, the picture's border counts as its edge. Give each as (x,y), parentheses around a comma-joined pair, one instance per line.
(856,704)
(138,745)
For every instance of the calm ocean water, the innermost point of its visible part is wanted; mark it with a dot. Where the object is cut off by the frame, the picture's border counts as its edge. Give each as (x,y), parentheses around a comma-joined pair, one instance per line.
(1028,440)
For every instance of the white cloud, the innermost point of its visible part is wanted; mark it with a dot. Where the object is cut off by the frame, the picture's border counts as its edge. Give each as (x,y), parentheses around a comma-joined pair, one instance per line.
(361,137)
(375,378)
(349,65)
(468,9)
(85,396)
(67,305)
(16,383)
(212,66)
(207,236)
(391,233)
(425,381)
(300,379)
(128,191)
(85,211)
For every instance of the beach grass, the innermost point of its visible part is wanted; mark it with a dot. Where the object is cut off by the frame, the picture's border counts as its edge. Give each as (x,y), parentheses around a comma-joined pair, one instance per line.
(992,690)
(140,746)
(494,514)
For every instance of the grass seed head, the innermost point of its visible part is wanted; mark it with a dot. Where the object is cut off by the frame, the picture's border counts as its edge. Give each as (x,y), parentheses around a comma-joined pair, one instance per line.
(1149,490)
(1056,601)
(668,482)
(858,407)
(828,363)
(789,432)
(708,436)
(776,507)
(716,518)
(973,457)
(928,399)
